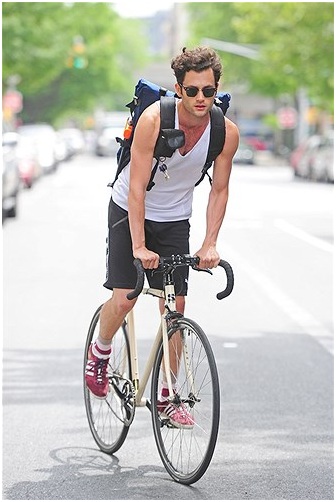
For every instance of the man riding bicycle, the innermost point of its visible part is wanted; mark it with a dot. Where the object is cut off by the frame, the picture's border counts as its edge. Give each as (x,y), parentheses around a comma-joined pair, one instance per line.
(146,224)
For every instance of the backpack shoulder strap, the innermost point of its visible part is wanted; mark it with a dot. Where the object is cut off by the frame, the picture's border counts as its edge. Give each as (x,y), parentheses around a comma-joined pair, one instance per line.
(167,121)
(217,140)
(217,133)
(167,112)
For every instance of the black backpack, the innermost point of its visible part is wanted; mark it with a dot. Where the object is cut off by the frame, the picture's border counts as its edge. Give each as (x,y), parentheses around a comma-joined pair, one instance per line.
(169,139)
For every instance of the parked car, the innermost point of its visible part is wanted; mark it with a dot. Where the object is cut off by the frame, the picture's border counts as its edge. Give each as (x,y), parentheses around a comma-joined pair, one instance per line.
(295,157)
(256,143)
(62,149)
(11,182)
(307,159)
(245,154)
(45,140)
(323,161)
(106,144)
(74,140)
(301,158)
(27,157)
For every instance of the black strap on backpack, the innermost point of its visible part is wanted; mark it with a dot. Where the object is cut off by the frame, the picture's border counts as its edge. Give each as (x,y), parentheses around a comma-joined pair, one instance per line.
(169,139)
(167,112)
(217,140)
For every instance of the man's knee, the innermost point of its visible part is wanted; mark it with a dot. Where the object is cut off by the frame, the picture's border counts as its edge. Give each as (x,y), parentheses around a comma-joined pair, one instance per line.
(120,302)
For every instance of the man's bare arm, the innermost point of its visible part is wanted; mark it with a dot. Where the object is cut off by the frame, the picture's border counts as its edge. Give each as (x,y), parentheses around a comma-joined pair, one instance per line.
(218,197)
(142,150)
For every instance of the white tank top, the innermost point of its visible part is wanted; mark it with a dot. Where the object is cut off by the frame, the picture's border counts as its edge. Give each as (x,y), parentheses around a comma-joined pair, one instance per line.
(169,199)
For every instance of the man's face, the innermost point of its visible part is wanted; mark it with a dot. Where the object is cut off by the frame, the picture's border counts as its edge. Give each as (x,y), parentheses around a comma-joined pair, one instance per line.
(198,91)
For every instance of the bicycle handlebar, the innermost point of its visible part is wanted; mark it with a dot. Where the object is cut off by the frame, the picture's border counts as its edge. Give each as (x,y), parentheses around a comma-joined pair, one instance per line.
(229,278)
(175,261)
(140,280)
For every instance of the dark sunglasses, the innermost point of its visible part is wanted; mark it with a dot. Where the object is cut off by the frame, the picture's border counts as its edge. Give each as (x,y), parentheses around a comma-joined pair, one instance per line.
(192,91)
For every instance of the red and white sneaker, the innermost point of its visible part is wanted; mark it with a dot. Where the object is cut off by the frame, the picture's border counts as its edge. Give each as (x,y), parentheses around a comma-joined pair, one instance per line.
(178,415)
(96,377)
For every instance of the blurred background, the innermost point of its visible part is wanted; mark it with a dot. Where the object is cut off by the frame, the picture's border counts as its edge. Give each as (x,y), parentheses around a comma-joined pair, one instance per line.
(75,73)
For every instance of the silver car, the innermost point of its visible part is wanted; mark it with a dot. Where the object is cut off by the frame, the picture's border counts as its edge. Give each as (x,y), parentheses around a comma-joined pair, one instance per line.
(11,181)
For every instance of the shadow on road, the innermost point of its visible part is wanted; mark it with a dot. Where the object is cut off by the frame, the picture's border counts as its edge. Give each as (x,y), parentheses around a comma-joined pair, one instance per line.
(85,474)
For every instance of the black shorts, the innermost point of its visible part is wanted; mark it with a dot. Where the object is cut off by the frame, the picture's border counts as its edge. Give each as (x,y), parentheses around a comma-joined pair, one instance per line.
(164,238)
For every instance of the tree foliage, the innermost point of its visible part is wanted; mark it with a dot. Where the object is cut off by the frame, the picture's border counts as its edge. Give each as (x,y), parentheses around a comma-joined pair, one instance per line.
(37,42)
(295,42)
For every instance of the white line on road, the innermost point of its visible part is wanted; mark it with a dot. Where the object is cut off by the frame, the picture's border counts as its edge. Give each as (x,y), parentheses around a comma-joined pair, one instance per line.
(301,234)
(230,345)
(299,315)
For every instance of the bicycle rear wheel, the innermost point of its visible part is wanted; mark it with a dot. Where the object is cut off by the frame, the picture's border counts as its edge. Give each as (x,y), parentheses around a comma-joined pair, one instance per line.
(187,452)
(109,418)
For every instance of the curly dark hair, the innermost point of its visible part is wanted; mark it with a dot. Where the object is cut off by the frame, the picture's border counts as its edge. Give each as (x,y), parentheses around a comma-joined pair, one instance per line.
(197,59)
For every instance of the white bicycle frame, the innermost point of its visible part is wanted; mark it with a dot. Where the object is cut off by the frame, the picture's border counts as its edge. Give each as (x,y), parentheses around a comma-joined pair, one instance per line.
(162,335)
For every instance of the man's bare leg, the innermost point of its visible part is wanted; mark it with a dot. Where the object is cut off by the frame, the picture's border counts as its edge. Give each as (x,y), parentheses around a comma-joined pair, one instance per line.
(113,313)
(177,414)
(175,344)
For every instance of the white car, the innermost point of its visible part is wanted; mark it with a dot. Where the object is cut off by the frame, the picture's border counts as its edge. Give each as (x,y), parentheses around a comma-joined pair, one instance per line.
(323,161)
(74,139)
(106,143)
(45,139)
(11,182)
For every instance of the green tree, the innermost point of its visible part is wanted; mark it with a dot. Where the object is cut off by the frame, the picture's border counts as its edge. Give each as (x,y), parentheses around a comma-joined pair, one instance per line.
(295,42)
(215,20)
(38,43)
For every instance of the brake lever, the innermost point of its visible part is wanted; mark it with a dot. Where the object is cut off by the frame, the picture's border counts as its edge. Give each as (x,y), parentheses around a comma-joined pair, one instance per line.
(194,267)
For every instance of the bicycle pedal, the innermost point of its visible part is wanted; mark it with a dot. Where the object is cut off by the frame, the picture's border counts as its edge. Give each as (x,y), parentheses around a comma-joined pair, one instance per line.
(164,421)
(170,425)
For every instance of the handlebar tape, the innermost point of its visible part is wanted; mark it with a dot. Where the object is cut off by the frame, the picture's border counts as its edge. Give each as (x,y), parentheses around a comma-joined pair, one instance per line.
(140,280)
(230,280)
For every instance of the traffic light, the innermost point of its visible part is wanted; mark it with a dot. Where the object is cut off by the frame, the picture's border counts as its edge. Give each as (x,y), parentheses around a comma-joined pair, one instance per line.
(77,56)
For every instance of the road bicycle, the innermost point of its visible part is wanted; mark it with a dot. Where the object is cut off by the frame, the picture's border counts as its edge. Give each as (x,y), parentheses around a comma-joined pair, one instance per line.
(182,357)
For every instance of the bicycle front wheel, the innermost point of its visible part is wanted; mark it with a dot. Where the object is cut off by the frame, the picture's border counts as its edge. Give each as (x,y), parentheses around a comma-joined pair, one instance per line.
(187,452)
(109,418)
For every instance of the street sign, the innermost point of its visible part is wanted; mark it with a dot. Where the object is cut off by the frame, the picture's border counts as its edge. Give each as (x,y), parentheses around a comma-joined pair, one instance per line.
(12,101)
(287,117)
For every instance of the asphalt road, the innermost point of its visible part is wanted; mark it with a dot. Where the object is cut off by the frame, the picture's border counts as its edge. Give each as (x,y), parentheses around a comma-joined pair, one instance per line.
(272,339)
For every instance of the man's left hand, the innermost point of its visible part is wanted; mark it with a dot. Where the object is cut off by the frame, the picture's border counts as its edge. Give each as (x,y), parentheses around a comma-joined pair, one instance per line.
(209,257)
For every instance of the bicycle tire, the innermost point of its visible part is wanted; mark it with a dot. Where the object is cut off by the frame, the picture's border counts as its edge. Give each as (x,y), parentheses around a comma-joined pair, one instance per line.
(186,453)
(106,417)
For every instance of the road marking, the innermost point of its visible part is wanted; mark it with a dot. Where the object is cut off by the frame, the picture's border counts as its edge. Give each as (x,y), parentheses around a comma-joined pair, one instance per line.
(230,345)
(301,234)
(299,315)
